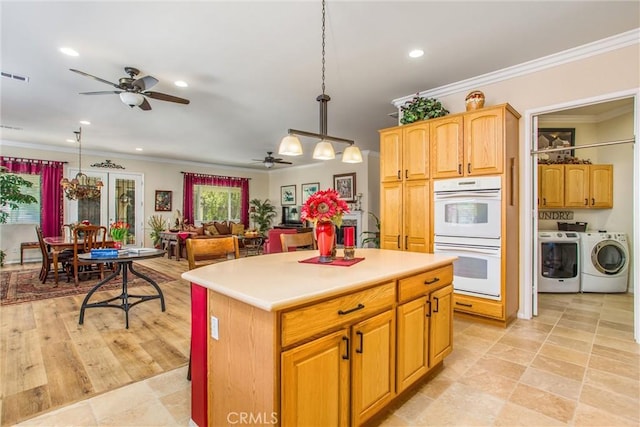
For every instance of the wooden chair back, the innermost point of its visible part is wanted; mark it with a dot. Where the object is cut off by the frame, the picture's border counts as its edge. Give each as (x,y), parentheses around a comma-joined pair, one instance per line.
(85,238)
(210,249)
(297,241)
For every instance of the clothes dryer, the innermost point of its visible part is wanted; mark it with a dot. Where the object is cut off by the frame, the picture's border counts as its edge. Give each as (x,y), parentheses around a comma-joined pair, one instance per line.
(559,255)
(605,262)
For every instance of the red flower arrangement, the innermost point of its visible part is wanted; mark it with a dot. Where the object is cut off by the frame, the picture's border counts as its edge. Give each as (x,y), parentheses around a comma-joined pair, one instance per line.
(324,205)
(119,230)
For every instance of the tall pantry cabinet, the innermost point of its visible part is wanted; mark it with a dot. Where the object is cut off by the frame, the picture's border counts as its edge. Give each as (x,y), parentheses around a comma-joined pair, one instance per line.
(476,143)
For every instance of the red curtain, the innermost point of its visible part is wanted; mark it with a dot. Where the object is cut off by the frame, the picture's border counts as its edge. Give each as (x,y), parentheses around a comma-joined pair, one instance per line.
(51,214)
(191,179)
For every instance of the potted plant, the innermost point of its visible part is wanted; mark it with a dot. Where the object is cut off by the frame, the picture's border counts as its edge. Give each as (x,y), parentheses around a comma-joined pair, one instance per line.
(11,197)
(373,236)
(420,108)
(158,224)
(263,215)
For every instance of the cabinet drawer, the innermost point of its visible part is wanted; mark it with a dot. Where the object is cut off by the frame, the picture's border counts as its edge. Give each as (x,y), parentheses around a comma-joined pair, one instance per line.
(317,318)
(422,283)
(481,307)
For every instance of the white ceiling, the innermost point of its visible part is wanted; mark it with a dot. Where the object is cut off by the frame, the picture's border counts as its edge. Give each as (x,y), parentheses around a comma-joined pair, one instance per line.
(254,67)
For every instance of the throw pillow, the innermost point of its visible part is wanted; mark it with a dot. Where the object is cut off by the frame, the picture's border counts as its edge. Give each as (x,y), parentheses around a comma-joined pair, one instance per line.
(237,229)
(222,228)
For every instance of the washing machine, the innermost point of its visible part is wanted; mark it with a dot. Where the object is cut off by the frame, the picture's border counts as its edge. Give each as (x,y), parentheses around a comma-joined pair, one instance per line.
(605,262)
(559,255)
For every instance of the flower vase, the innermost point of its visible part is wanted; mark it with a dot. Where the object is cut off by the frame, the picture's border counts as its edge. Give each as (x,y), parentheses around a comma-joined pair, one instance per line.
(117,244)
(325,235)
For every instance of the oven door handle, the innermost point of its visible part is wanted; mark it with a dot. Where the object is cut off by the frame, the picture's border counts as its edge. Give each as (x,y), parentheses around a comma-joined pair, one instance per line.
(488,194)
(455,248)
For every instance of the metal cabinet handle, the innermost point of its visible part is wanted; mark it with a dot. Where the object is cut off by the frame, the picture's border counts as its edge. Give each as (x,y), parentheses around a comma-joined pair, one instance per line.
(346,355)
(406,173)
(464,305)
(351,310)
(586,202)
(429,308)
(459,168)
(544,201)
(435,310)
(593,202)
(399,177)
(406,243)
(431,282)
(361,349)
(399,242)
(469,167)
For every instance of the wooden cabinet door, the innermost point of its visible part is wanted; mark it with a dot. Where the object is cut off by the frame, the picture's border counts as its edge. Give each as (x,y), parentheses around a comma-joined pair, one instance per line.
(601,186)
(391,208)
(315,383)
(372,366)
(550,186)
(576,186)
(415,145)
(483,136)
(391,155)
(413,342)
(416,236)
(446,141)
(441,329)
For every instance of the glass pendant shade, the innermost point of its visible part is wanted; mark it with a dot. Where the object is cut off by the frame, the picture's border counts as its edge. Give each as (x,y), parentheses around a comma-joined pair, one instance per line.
(131,99)
(324,151)
(290,146)
(352,154)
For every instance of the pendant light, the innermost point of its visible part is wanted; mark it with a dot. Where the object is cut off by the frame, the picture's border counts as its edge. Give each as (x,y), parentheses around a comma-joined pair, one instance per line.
(291,145)
(81,187)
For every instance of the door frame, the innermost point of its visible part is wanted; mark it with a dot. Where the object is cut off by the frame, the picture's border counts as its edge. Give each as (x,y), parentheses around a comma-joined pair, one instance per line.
(529,210)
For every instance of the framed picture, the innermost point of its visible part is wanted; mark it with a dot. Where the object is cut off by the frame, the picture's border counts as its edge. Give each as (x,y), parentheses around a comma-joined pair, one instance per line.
(163,200)
(556,138)
(308,189)
(345,185)
(288,195)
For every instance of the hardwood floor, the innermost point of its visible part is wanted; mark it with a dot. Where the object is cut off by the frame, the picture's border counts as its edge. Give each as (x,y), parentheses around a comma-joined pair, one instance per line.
(49,360)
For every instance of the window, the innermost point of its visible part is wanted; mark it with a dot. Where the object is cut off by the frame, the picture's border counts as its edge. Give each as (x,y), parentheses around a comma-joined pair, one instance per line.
(29,213)
(215,203)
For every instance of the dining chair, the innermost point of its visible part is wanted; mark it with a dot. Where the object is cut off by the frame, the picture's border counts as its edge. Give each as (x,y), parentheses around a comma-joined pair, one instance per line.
(85,238)
(64,258)
(221,248)
(293,242)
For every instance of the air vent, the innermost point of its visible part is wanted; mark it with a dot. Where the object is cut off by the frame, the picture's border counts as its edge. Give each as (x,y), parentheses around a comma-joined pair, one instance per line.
(15,77)
(10,127)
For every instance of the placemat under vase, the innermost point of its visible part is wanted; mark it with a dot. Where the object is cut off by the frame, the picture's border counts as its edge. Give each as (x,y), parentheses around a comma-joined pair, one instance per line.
(339,261)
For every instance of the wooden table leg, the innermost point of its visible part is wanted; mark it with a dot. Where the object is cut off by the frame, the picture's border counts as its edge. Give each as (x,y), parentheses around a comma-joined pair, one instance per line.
(55,267)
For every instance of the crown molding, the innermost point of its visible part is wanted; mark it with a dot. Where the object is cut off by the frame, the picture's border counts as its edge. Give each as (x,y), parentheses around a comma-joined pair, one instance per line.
(598,47)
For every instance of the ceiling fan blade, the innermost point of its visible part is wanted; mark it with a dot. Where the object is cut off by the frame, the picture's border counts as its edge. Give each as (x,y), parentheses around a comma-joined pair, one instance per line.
(145,105)
(95,78)
(282,162)
(165,97)
(144,83)
(102,92)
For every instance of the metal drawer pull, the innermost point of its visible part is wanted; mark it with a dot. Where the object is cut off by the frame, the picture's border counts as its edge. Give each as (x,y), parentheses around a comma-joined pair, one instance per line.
(361,349)
(431,282)
(346,355)
(464,305)
(351,310)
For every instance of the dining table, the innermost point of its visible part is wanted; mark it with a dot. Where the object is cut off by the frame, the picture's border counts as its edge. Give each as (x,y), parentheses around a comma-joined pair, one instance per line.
(58,244)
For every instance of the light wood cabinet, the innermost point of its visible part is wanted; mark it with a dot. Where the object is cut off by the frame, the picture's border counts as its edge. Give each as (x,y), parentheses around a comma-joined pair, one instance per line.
(405,188)
(425,331)
(575,186)
(472,143)
(551,186)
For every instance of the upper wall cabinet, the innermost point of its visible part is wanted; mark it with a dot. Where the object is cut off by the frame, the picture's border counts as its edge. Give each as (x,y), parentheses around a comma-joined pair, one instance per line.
(575,186)
(472,143)
(404,151)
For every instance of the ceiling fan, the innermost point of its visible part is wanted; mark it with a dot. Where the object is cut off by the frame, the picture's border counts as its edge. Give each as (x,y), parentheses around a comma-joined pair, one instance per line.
(270,161)
(132,89)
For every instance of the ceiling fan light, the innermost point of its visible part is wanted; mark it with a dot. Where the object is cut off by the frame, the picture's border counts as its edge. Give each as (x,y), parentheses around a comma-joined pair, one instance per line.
(324,151)
(131,99)
(352,154)
(268,164)
(290,146)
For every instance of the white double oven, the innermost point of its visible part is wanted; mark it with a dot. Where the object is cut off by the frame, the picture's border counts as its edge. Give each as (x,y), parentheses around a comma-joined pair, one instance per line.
(467,224)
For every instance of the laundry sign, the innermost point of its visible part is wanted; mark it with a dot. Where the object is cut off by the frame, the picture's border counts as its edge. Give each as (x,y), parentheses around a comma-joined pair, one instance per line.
(555,215)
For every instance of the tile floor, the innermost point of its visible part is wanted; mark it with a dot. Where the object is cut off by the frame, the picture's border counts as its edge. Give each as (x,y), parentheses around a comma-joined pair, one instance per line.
(575,364)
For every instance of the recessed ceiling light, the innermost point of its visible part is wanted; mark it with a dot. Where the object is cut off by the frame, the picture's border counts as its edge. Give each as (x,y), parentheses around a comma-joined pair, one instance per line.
(180,83)
(69,140)
(138,149)
(69,51)
(85,122)
(416,53)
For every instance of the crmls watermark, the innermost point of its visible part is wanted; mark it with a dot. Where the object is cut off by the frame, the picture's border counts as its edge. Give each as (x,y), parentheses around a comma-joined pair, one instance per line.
(252,418)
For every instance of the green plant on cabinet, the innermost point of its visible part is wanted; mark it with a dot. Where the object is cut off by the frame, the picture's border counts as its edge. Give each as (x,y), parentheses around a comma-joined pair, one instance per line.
(420,108)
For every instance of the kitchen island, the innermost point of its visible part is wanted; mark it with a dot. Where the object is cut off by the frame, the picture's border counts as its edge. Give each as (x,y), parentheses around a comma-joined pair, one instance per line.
(278,341)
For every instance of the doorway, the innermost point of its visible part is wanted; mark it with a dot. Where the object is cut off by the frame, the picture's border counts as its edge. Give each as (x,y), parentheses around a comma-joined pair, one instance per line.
(120,200)
(580,113)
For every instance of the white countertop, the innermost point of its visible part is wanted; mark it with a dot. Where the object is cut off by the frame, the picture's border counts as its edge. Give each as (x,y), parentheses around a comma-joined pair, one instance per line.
(278,281)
